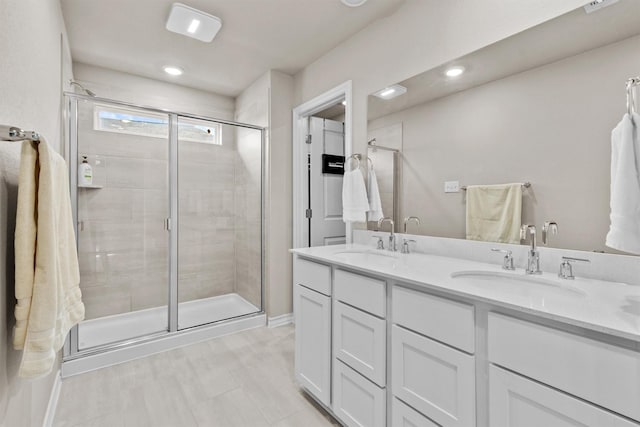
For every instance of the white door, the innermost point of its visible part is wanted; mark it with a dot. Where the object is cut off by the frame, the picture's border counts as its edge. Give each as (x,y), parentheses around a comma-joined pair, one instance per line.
(313,342)
(327,227)
(515,401)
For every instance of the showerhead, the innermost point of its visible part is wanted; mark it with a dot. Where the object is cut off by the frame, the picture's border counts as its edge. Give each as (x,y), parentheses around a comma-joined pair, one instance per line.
(87,91)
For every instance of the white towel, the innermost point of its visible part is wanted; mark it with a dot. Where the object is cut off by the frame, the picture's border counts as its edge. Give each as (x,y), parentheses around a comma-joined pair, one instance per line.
(47,274)
(624,232)
(354,197)
(494,212)
(375,205)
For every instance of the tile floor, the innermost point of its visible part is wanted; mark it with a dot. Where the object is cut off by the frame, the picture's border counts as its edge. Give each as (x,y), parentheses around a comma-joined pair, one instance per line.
(244,379)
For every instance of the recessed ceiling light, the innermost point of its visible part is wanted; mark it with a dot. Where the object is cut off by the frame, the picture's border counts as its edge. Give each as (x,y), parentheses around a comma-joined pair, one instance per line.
(172,70)
(454,71)
(353,3)
(193,23)
(391,92)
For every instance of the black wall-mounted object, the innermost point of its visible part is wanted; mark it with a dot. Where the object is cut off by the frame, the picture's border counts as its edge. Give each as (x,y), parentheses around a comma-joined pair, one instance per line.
(333,164)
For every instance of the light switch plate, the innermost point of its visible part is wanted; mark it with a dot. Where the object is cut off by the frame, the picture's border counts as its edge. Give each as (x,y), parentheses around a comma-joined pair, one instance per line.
(452,186)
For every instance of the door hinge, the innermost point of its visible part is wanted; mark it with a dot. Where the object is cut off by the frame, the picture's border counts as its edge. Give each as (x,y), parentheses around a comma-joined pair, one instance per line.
(308,213)
(308,140)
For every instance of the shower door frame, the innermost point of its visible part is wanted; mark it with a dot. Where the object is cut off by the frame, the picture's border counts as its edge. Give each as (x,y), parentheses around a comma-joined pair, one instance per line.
(71,349)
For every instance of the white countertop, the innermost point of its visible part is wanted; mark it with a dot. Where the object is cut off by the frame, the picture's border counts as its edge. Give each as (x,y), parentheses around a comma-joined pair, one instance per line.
(608,307)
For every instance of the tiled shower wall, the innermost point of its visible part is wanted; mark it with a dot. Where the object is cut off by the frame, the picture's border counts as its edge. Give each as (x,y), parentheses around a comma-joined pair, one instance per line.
(206,215)
(123,245)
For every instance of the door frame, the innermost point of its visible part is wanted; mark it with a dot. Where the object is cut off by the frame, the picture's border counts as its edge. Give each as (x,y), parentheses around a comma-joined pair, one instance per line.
(300,115)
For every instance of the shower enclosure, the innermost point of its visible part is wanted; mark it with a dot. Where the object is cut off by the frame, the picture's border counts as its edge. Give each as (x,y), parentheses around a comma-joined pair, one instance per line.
(170,225)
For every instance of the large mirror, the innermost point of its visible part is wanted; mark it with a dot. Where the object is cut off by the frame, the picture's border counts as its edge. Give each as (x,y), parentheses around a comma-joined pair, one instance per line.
(537,107)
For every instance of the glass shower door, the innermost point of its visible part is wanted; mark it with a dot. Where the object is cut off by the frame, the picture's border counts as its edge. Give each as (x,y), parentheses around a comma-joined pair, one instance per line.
(123,242)
(219,221)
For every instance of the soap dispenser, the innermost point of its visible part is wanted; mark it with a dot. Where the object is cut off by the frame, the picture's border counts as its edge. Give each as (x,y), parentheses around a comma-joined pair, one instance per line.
(85,173)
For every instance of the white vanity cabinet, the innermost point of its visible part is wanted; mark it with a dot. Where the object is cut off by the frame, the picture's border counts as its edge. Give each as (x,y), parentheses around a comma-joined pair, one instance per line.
(379,351)
(359,347)
(519,402)
(313,328)
(433,376)
(594,371)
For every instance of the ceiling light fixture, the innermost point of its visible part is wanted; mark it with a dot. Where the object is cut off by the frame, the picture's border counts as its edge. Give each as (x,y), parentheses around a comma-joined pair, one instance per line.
(193,23)
(344,102)
(353,3)
(193,27)
(173,70)
(454,71)
(391,92)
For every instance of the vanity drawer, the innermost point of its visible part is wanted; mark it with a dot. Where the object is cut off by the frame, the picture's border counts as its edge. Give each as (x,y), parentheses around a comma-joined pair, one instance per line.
(433,378)
(517,401)
(312,275)
(444,320)
(360,291)
(404,415)
(359,340)
(598,372)
(357,401)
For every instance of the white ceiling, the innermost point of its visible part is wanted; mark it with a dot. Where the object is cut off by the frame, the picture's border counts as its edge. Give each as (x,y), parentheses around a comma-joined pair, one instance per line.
(256,35)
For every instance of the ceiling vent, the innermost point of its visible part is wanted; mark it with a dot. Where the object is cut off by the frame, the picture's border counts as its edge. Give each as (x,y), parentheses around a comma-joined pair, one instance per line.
(596,5)
(193,23)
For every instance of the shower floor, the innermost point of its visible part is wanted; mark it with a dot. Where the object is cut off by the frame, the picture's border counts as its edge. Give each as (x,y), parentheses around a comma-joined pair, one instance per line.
(126,326)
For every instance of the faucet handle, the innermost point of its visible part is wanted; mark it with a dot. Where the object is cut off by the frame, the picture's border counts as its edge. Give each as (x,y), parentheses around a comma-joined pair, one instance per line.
(566,269)
(405,245)
(380,242)
(507,262)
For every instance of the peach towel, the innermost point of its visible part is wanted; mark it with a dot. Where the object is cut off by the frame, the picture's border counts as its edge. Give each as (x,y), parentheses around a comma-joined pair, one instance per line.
(47,274)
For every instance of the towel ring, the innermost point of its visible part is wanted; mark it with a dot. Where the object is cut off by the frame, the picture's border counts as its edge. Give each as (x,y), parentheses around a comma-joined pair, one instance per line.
(357,158)
(352,157)
(631,99)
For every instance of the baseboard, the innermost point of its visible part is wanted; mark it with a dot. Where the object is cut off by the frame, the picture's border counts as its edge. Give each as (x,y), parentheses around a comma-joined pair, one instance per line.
(283,319)
(53,401)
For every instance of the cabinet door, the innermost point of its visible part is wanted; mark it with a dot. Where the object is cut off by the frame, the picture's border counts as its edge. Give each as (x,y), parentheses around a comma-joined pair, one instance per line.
(360,341)
(313,342)
(405,416)
(357,402)
(515,401)
(435,379)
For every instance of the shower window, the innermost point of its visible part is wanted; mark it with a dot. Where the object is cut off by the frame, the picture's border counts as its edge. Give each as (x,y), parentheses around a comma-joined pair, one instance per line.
(143,123)
(130,121)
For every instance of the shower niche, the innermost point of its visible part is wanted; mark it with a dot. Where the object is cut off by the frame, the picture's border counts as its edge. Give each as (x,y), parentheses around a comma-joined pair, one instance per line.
(170,231)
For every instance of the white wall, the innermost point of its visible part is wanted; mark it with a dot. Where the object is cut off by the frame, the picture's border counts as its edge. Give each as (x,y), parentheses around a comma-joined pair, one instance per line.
(268,103)
(550,125)
(34,64)
(143,91)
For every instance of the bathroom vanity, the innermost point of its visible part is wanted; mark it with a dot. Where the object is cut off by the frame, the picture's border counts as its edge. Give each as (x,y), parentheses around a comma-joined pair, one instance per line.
(390,339)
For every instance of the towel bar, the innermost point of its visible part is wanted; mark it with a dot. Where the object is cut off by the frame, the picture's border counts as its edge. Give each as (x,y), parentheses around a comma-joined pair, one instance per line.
(13,133)
(524,184)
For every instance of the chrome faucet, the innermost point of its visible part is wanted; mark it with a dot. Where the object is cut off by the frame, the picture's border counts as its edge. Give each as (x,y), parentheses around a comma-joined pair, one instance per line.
(392,236)
(409,219)
(533,262)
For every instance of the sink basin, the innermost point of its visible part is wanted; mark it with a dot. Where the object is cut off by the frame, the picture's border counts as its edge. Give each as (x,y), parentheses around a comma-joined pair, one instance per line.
(368,256)
(519,281)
